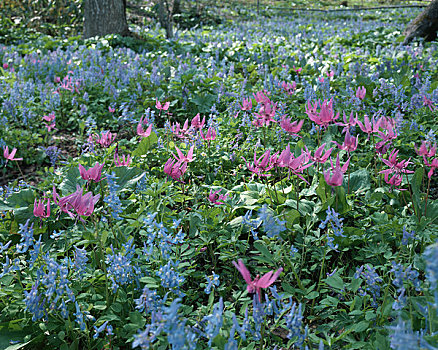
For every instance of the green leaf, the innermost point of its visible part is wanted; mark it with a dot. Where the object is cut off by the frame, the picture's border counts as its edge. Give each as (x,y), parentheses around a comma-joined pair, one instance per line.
(335,281)
(149,281)
(22,199)
(145,145)
(127,177)
(360,327)
(68,185)
(312,295)
(416,181)
(249,197)
(260,246)
(360,181)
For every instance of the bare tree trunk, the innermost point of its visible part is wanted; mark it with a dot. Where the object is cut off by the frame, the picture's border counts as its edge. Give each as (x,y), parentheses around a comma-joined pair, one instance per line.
(165,16)
(425,25)
(176,7)
(102,17)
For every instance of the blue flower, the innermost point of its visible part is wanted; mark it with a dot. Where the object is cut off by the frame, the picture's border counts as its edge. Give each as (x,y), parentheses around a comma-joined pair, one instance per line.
(214,321)
(112,199)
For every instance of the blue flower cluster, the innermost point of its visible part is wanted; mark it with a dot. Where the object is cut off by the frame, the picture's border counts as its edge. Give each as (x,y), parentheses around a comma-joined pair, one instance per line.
(214,321)
(272,226)
(170,278)
(27,239)
(112,199)
(372,281)
(212,281)
(336,226)
(149,301)
(252,223)
(158,236)
(167,320)
(121,268)
(80,261)
(335,222)
(53,153)
(407,236)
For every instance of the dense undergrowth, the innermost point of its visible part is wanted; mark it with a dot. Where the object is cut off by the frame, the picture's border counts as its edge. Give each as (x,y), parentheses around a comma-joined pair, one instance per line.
(316,159)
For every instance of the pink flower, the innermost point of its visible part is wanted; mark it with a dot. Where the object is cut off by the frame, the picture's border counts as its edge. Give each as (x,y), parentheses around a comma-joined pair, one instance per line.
(141,132)
(297,69)
(82,204)
(426,149)
(289,87)
(182,158)
(395,180)
(295,164)
(330,74)
(121,161)
(335,177)
(266,115)
(394,164)
(255,286)
(291,128)
(429,103)
(210,136)
(260,165)
(105,139)
(216,198)
(111,109)
(326,114)
(93,173)
(5,66)
(246,104)
(178,132)
(197,123)
(382,147)
(38,209)
(361,92)
(161,107)
(262,97)
(433,165)
(350,143)
(319,157)
(348,123)
(49,118)
(175,169)
(10,156)
(368,126)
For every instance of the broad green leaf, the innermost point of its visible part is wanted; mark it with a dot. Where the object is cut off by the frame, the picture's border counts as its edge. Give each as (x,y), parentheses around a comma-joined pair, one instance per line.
(145,144)
(127,177)
(360,181)
(335,281)
(71,180)
(260,246)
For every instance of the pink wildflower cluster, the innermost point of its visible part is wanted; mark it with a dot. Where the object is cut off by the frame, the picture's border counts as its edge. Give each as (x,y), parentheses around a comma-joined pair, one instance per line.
(396,168)
(105,139)
(324,116)
(427,151)
(255,286)
(83,205)
(267,110)
(217,198)
(10,156)
(50,119)
(176,168)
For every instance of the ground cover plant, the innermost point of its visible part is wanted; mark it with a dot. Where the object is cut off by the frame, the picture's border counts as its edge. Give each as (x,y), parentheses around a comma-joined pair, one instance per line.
(266,184)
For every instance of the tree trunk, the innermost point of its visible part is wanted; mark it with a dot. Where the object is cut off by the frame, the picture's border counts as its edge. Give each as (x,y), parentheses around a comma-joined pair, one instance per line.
(165,17)
(425,25)
(176,7)
(102,17)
